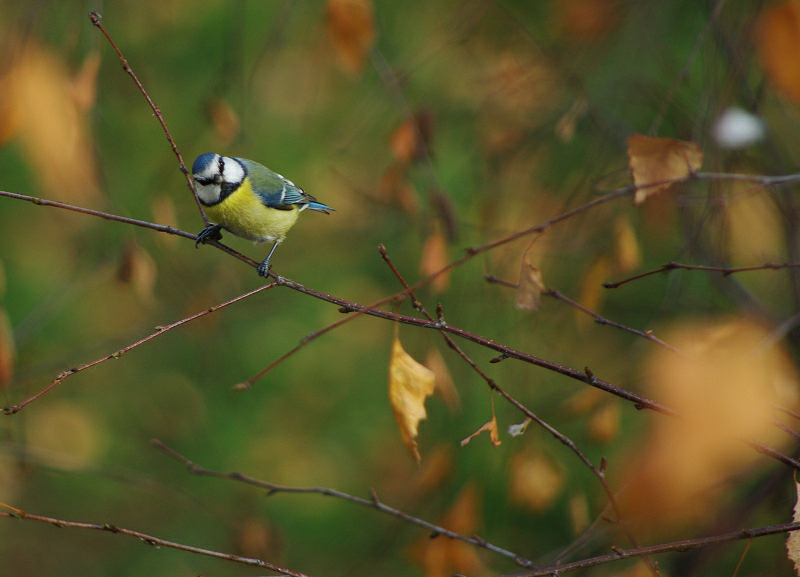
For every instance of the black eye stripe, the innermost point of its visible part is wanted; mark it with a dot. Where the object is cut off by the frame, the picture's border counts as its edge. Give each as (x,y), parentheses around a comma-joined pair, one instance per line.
(204,181)
(221,166)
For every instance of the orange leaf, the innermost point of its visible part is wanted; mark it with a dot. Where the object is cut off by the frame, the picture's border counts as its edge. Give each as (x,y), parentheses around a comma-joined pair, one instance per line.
(434,258)
(656,160)
(626,247)
(592,291)
(7,350)
(351,29)
(139,270)
(777,39)
(224,120)
(410,139)
(410,383)
(531,286)
(444,381)
(491,426)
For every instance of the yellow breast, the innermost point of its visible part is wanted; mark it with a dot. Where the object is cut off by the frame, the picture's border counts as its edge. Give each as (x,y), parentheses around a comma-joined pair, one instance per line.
(243,214)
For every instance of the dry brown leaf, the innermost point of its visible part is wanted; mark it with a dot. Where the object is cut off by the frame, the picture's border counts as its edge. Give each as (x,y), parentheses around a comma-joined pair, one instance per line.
(491,426)
(592,291)
(777,39)
(656,160)
(434,258)
(8,350)
(40,106)
(351,29)
(793,538)
(410,383)
(726,388)
(627,255)
(84,85)
(224,120)
(603,426)
(139,270)
(444,381)
(412,137)
(257,538)
(531,286)
(535,481)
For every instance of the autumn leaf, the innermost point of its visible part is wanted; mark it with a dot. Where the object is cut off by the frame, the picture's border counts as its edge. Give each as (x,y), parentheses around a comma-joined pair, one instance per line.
(793,539)
(65,436)
(84,84)
(603,426)
(7,350)
(444,381)
(535,480)
(410,383)
(434,258)
(627,255)
(656,160)
(531,286)
(491,426)
(409,140)
(592,291)
(139,270)
(777,40)
(351,29)
(224,120)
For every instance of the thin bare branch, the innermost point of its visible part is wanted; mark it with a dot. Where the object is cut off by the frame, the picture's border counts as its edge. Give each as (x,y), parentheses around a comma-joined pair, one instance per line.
(117,354)
(95,18)
(597,318)
(674,547)
(373,503)
(149,540)
(668,266)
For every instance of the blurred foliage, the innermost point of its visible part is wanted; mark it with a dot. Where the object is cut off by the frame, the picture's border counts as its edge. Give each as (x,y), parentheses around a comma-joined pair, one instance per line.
(430,127)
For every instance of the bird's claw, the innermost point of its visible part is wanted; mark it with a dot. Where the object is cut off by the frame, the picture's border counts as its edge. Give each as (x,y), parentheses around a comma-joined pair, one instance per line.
(212,232)
(263,268)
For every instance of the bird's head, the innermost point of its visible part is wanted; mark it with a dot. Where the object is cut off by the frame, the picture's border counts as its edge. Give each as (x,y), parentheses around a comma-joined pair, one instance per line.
(216,177)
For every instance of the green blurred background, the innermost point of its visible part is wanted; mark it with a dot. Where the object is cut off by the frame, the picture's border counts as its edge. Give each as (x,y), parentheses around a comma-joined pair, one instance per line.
(524,107)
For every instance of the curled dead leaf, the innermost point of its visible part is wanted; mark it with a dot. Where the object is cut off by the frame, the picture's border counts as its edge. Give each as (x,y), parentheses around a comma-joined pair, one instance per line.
(531,286)
(434,258)
(410,383)
(777,40)
(351,30)
(654,161)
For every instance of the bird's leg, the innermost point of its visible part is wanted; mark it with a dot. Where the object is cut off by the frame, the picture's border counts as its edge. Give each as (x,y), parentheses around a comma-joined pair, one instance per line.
(211,232)
(263,268)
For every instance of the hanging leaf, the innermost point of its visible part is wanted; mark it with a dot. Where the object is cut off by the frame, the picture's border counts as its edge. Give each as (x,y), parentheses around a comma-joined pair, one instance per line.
(351,29)
(777,40)
(656,160)
(491,426)
(410,383)
(434,258)
(531,286)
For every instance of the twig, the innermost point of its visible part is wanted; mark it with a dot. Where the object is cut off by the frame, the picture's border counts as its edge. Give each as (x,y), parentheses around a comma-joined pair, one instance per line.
(598,472)
(374,502)
(597,318)
(115,355)
(150,540)
(668,266)
(675,546)
(95,18)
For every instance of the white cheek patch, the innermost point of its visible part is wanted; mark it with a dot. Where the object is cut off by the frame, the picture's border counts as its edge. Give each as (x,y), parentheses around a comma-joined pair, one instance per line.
(233,172)
(208,193)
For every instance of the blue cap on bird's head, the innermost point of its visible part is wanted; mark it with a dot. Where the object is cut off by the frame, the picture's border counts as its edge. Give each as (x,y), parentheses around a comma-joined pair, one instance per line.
(202,162)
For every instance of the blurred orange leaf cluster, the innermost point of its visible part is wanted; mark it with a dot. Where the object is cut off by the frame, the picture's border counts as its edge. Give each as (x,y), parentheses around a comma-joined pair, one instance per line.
(725,389)
(777,39)
(656,160)
(442,557)
(410,383)
(535,480)
(351,30)
(47,110)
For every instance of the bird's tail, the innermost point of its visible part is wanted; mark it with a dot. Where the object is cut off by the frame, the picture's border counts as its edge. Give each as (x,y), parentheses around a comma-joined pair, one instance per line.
(319,207)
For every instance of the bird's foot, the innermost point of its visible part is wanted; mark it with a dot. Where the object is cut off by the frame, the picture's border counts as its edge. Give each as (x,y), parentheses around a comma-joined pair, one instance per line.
(211,232)
(263,268)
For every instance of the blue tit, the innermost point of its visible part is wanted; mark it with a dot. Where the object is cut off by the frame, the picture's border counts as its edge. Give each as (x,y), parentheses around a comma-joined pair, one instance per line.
(248,200)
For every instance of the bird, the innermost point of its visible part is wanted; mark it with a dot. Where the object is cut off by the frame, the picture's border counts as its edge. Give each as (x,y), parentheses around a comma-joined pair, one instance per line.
(248,200)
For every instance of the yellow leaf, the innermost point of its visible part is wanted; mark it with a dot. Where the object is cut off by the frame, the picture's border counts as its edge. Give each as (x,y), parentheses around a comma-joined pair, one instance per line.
(531,286)
(434,258)
(777,40)
(410,383)
(603,426)
(592,291)
(491,426)
(351,29)
(793,539)
(535,481)
(656,160)
(444,381)
(84,85)
(626,247)
(65,436)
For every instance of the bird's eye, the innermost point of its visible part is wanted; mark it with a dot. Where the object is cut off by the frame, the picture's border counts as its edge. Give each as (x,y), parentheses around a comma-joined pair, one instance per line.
(217,179)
